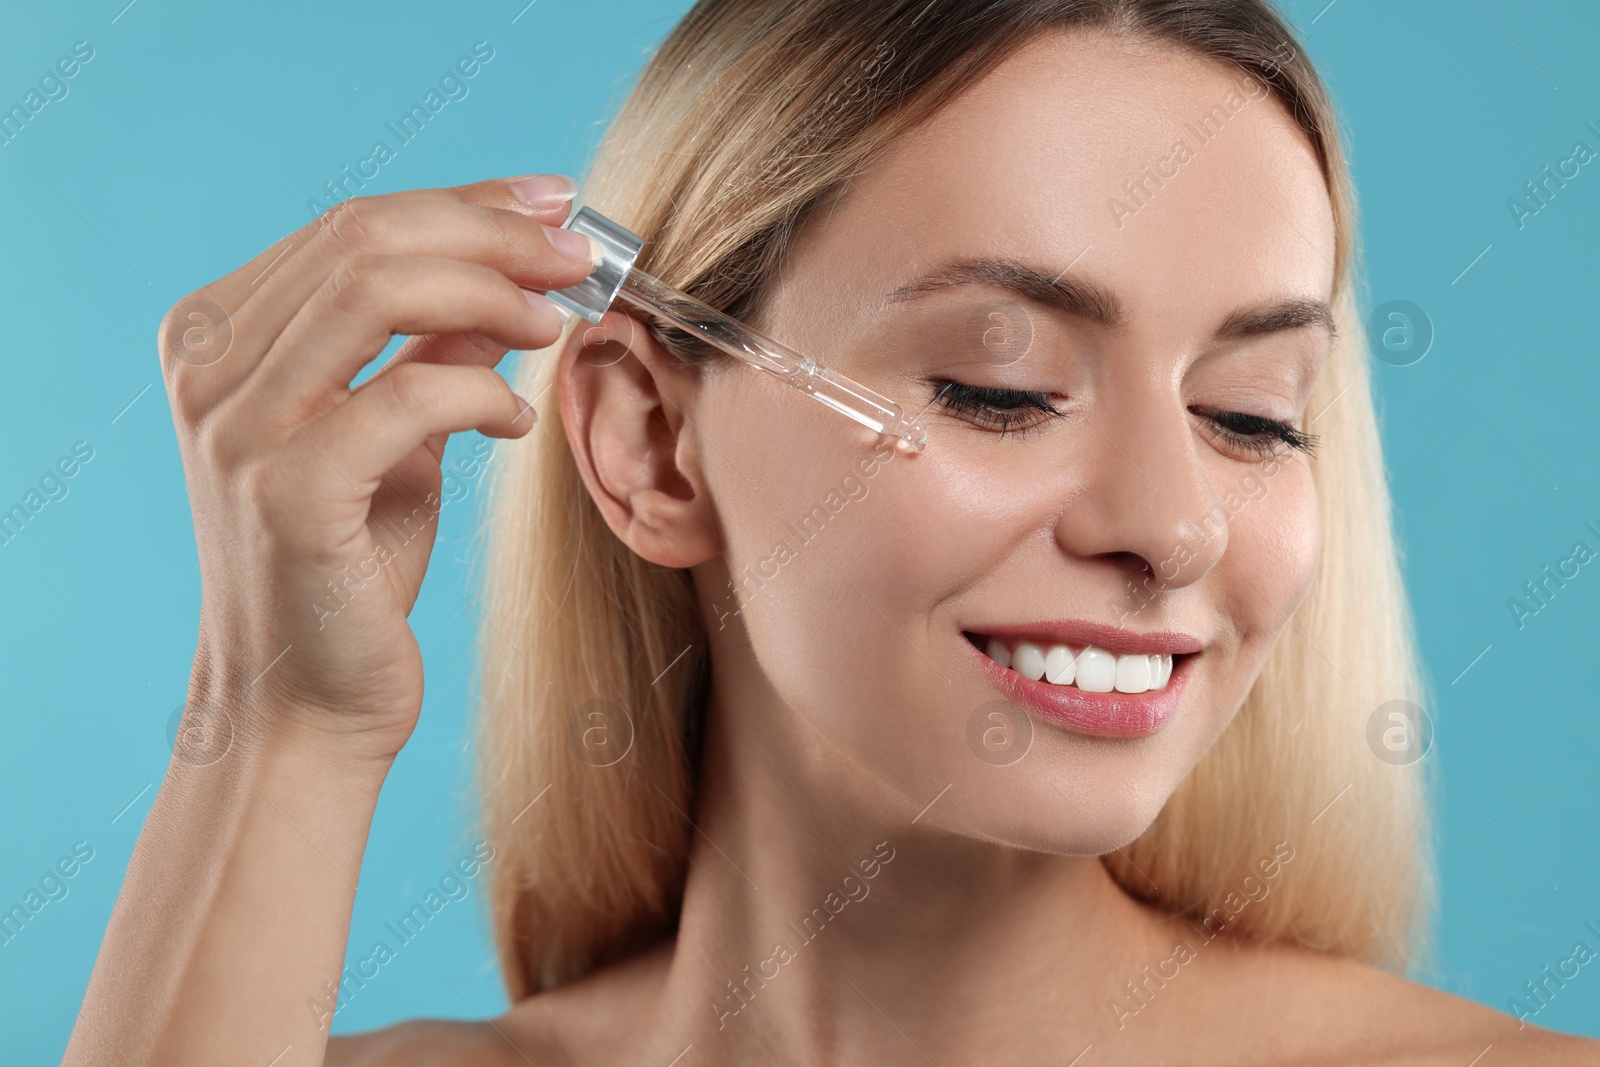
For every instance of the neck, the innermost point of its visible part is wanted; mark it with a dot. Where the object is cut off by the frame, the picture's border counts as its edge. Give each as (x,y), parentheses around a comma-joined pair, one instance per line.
(824,921)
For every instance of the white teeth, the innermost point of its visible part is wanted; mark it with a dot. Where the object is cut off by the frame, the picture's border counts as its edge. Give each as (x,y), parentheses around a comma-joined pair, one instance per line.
(1133,674)
(1060,665)
(1028,661)
(1097,670)
(1094,670)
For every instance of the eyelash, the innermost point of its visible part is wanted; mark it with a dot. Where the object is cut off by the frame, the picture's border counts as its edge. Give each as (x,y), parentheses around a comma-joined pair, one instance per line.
(1259,435)
(995,409)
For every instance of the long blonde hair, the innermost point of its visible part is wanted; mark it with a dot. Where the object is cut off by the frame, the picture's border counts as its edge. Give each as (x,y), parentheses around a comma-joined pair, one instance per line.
(751,115)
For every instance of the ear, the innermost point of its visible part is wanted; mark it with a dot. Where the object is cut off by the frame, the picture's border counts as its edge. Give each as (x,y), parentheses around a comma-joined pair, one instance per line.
(622,399)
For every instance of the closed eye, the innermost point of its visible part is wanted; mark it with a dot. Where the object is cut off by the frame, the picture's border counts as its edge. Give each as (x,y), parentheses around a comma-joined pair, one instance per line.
(1004,410)
(1258,434)
(1016,411)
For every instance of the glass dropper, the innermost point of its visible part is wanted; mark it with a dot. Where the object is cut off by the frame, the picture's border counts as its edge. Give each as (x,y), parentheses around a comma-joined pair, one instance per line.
(616,276)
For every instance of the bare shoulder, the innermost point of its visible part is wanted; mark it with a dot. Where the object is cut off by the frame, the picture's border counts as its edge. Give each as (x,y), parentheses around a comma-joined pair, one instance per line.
(425,1043)
(584,1014)
(542,1029)
(1353,1013)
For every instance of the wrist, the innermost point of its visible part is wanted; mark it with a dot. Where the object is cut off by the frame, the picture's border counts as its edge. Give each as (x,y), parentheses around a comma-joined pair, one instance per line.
(255,741)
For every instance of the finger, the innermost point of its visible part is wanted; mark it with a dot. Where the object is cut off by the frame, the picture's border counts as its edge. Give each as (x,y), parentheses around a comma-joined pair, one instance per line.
(215,336)
(451,349)
(368,299)
(533,254)
(461,349)
(389,416)
(525,251)
(549,202)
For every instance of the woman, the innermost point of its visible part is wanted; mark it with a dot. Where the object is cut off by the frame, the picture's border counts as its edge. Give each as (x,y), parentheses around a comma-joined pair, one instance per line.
(1047,744)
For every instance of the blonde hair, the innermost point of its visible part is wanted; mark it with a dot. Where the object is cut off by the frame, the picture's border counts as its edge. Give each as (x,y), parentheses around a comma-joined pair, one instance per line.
(750,118)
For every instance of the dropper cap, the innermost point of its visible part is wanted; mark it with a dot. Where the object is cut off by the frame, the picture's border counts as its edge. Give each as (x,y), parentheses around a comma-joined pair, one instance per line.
(593,296)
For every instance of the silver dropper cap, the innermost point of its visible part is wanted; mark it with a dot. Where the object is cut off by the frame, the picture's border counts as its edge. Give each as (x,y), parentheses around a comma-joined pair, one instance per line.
(593,296)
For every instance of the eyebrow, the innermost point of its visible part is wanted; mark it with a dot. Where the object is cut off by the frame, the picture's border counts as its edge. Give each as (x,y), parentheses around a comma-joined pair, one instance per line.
(1284,315)
(1075,296)
(1083,299)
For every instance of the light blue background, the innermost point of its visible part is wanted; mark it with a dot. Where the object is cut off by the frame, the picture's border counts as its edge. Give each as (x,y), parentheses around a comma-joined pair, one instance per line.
(193,140)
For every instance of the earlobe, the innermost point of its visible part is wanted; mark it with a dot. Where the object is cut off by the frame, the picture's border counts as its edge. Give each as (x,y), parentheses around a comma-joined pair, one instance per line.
(622,399)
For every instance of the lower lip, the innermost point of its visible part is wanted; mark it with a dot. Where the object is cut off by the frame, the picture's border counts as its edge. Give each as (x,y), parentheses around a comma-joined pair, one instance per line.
(1095,714)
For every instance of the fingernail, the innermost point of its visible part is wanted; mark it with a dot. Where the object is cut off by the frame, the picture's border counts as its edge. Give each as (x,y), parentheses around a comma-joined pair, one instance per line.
(575,245)
(546,308)
(544,190)
(525,410)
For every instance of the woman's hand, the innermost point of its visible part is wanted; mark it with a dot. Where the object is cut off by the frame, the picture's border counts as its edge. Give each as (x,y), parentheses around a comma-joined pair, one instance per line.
(315,505)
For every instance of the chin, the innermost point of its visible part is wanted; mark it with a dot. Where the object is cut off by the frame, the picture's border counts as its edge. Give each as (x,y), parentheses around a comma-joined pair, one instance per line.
(1069,798)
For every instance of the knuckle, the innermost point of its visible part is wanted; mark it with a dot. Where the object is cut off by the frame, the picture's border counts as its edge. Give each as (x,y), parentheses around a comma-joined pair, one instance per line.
(187,397)
(481,387)
(195,332)
(408,389)
(490,385)
(354,286)
(210,440)
(355,224)
(261,486)
(169,332)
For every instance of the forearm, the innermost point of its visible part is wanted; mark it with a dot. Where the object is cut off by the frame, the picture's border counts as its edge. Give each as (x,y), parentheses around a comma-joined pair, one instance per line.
(235,911)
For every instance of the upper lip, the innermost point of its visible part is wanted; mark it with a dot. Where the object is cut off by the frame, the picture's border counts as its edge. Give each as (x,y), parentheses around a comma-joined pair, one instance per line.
(1086,632)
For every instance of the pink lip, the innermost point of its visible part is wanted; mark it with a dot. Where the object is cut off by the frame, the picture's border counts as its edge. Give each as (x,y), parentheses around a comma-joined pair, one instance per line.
(1095,714)
(1084,632)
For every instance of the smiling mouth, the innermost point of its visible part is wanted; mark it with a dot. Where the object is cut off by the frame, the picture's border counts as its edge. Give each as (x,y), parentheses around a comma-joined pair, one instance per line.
(1083,667)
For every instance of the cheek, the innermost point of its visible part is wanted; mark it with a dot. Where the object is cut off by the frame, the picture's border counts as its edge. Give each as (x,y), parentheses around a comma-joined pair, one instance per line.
(1274,545)
(810,542)
(845,596)
(962,516)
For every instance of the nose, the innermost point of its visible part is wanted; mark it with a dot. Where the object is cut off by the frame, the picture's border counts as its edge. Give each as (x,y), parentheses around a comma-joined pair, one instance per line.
(1145,500)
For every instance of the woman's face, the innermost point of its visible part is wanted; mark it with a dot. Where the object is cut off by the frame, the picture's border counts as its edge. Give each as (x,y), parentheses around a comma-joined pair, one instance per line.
(1183,225)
